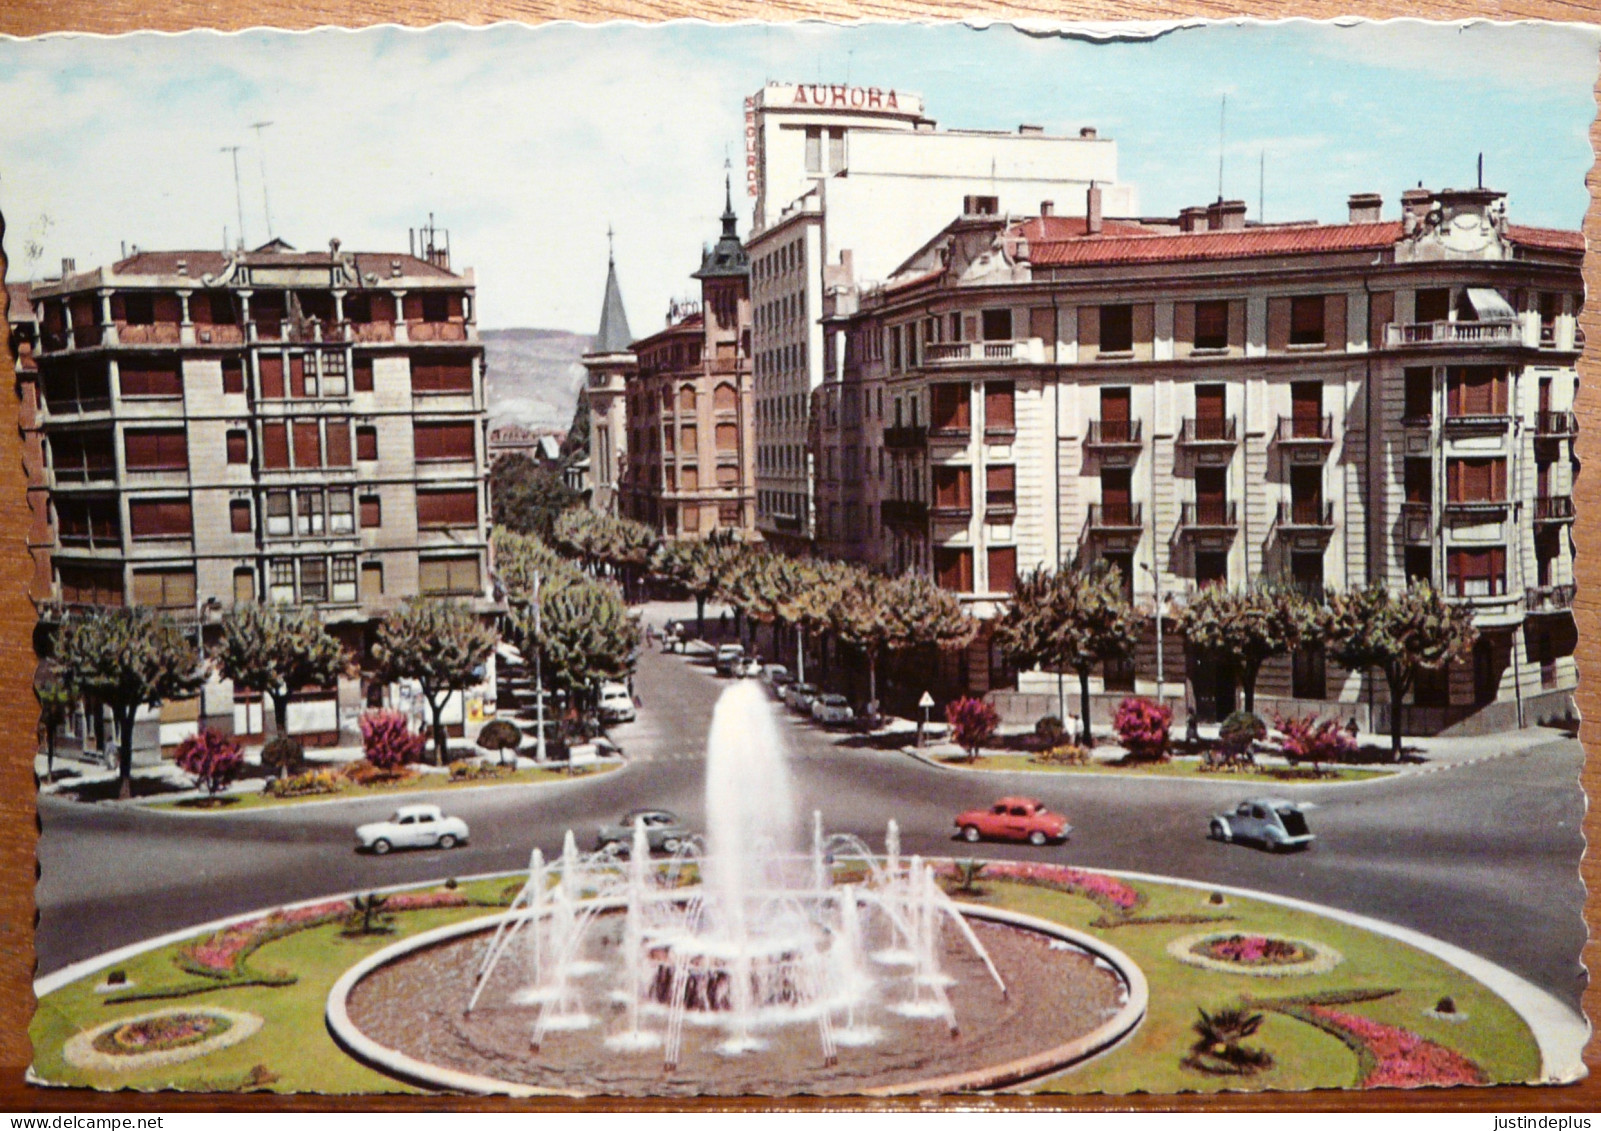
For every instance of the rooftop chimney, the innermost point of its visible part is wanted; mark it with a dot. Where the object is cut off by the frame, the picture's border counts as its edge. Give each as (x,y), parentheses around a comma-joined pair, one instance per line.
(1030,131)
(1365,207)
(1416,202)
(1092,210)
(1193,218)
(1226,215)
(1047,208)
(68,266)
(1087,133)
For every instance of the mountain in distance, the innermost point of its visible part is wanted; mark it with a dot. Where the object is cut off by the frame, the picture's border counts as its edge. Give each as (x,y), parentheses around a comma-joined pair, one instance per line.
(532,377)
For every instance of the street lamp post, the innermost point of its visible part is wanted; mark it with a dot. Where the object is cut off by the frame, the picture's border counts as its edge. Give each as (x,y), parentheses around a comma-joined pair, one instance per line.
(1161,673)
(539,677)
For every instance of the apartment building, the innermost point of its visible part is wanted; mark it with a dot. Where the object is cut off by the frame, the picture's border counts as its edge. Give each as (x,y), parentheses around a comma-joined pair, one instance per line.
(847,182)
(690,464)
(269,425)
(1201,402)
(22,322)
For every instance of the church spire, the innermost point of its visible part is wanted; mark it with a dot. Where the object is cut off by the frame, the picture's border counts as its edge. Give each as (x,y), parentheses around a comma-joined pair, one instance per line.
(727,256)
(613,335)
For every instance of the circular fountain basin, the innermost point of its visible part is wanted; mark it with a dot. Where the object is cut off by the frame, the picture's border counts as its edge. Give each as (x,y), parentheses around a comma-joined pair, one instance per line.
(1070,996)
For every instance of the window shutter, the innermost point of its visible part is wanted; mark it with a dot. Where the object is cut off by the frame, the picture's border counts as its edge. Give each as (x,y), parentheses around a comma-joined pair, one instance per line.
(338,429)
(1002,569)
(366,442)
(441,509)
(999,406)
(272,376)
(239,516)
(728,437)
(238,447)
(150,377)
(275,445)
(363,375)
(308,444)
(233,375)
(371,512)
(297,375)
(160,518)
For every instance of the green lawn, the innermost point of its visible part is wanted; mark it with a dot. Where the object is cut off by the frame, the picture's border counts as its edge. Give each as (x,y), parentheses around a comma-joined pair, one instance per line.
(294,1046)
(1178,768)
(422,783)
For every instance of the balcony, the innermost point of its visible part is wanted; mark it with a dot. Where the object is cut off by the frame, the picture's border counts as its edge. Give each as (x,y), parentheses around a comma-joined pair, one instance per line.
(452,331)
(1300,432)
(1417,523)
(1497,333)
(1113,435)
(1021,351)
(951,512)
(1197,433)
(903,437)
(1547,599)
(1116,516)
(219,334)
(1209,515)
(148,334)
(1469,507)
(372,331)
(903,512)
(1553,510)
(1305,515)
(1000,507)
(1555,425)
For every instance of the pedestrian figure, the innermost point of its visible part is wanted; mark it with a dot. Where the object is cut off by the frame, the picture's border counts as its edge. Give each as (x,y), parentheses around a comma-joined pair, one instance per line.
(1350,727)
(1192,732)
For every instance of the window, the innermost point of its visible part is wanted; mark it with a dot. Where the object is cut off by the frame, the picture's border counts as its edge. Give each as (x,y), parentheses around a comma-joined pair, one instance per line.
(724,398)
(156,449)
(1306,409)
(90,585)
(691,519)
(160,518)
(1476,480)
(1211,567)
(949,408)
(275,445)
(448,576)
(366,442)
(80,387)
(1116,413)
(1003,569)
(308,443)
(372,580)
(452,373)
(244,585)
(239,516)
(164,588)
(238,443)
(150,377)
(435,307)
(444,441)
(836,150)
(362,379)
(281,581)
(997,325)
(1306,320)
(233,375)
(338,434)
(343,577)
(727,475)
(1000,487)
(341,510)
(1549,304)
(438,510)
(302,375)
(1117,329)
(313,580)
(728,514)
(953,569)
(688,440)
(1419,565)
(1419,406)
(77,456)
(953,488)
(372,515)
(278,516)
(1000,400)
(271,371)
(1475,390)
(333,374)
(814,149)
(686,399)
(1433,305)
(1419,480)
(1211,496)
(308,512)
(727,437)
(1212,324)
(138,309)
(1117,506)
(89,523)
(1476,573)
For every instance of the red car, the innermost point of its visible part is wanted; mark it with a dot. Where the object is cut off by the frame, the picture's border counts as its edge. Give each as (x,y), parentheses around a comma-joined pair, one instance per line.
(1014,818)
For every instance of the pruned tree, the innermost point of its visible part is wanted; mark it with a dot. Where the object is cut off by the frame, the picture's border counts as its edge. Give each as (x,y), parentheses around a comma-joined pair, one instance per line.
(1073,618)
(1399,632)
(440,644)
(127,658)
(276,651)
(1244,628)
(519,558)
(695,567)
(585,635)
(499,736)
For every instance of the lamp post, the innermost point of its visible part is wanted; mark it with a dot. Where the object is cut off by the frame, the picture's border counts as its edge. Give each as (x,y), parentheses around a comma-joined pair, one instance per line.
(1161,673)
(539,676)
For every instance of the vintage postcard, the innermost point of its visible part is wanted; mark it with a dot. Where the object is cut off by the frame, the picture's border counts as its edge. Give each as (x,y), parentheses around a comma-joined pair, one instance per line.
(803,560)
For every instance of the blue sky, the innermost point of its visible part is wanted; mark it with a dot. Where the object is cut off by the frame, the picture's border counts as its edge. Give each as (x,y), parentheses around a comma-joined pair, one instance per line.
(527,142)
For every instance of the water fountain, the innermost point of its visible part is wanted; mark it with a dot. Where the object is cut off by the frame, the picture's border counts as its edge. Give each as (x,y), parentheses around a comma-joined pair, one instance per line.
(768,958)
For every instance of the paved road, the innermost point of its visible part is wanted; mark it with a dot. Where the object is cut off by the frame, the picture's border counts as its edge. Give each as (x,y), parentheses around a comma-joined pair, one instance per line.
(1484,856)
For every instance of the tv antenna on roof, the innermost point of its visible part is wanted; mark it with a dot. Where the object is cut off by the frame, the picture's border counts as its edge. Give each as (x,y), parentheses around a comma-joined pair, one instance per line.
(239,201)
(1222,118)
(261,156)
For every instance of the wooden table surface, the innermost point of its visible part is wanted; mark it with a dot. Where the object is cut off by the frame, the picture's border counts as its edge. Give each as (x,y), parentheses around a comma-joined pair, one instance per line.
(18,712)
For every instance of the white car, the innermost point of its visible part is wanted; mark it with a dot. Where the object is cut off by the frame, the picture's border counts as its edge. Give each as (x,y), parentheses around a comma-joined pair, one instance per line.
(728,657)
(616,703)
(775,674)
(412,826)
(748,667)
(832,709)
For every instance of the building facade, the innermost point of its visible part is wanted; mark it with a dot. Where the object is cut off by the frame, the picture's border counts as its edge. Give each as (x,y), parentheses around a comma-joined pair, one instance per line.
(305,428)
(1201,402)
(607,367)
(691,461)
(847,182)
(23,325)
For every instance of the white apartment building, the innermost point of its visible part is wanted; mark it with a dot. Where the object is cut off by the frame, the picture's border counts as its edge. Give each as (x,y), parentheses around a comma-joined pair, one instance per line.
(1201,402)
(848,181)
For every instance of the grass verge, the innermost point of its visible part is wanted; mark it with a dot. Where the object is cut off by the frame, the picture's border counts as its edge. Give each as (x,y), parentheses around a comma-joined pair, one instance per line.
(1179,768)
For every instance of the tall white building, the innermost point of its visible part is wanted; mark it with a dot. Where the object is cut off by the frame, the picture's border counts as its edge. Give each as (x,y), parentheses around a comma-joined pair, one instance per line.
(848,182)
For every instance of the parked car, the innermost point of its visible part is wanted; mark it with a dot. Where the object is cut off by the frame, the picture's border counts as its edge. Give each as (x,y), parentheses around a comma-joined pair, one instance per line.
(1272,822)
(779,684)
(832,709)
(799,696)
(663,831)
(748,667)
(727,656)
(1013,818)
(774,674)
(412,826)
(616,704)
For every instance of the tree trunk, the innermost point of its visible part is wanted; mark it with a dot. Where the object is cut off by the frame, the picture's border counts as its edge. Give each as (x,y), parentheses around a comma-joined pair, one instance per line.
(440,741)
(50,754)
(124,718)
(1084,705)
(1397,693)
(1248,673)
(872,682)
(700,616)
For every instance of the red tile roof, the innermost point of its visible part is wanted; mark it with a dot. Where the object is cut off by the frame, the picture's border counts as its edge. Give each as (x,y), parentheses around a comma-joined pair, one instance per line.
(200,263)
(1048,229)
(1288,240)
(1554,239)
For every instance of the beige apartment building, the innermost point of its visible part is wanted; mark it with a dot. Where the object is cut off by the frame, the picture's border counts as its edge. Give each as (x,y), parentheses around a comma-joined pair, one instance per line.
(1206,402)
(269,425)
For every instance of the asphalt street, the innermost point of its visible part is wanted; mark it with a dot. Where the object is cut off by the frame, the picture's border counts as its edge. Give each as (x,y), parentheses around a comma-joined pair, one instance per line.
(1484,856)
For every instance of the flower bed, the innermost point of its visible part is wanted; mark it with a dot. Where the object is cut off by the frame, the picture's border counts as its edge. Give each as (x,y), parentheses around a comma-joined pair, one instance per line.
(168,1036)
(1393,1057)
(1106,892)
(159,1032)
(222,955)
(1271,956)
(425,900)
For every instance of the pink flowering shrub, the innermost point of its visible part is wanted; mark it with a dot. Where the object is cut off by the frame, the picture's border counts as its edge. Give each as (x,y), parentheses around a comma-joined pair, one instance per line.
(1253,950)
(219,955)
(387,740)
(1308,740)
(212,757)
(973,722)
(1107,892)
(1396,1057)
(424,900)
(1143,727)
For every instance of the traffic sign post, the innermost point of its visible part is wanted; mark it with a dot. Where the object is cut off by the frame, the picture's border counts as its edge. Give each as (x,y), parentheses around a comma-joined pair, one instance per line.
(927,703)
